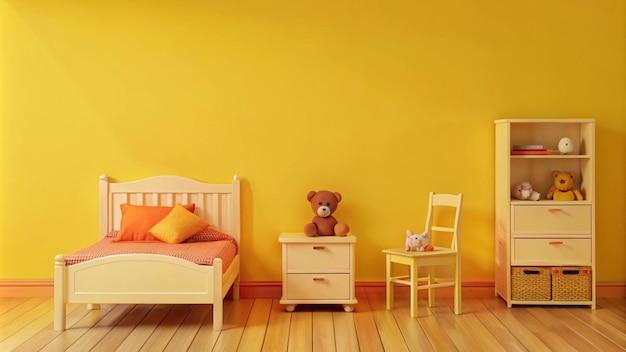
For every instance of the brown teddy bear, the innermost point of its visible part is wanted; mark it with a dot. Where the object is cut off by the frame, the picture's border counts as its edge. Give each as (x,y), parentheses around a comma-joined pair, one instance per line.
(564,187)
(324,204)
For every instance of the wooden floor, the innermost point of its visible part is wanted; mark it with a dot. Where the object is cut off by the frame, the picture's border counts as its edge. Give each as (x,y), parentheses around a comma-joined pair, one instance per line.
(262,325)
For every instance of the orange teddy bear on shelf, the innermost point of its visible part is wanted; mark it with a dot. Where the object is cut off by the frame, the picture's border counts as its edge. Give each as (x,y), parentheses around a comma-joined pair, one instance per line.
(564,187)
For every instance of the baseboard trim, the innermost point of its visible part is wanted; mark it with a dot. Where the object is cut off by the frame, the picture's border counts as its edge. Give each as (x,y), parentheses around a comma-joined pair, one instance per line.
(26,288)
(273,289)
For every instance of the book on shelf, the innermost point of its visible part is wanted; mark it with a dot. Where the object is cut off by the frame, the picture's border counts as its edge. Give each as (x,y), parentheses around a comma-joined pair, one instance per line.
(535,152)
(529,147)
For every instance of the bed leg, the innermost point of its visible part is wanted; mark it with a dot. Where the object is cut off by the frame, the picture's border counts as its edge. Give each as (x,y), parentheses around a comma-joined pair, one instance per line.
(60,272)
(218,315)
(93,306)
(218,295)
(236,289)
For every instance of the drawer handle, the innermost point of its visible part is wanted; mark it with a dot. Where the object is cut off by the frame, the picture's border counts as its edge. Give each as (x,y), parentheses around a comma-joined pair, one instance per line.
(531,272)
(318,279)
(554,210)
(556,242)
(571,272)
(318,247)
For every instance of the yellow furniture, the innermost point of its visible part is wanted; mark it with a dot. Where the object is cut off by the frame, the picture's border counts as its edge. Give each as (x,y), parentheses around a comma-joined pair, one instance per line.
(442,222)
(318,270)
(534,235)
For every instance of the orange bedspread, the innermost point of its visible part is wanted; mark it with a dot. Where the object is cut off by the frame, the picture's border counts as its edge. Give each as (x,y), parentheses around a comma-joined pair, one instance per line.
(200,252)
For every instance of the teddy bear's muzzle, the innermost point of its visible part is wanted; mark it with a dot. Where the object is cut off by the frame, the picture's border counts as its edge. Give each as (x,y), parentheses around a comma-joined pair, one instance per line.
(323,211)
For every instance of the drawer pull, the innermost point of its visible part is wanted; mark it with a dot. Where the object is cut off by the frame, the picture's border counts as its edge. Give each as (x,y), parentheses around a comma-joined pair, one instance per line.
(318,247)
(555,242)
(571,272)
(531,272)
(554,210)
(318,279)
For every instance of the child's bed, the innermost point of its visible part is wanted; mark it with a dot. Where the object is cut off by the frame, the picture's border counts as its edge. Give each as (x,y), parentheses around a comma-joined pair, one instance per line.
(123,272)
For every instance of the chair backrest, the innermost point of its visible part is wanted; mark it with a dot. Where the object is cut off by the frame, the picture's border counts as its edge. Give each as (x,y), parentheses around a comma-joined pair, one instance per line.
(444,215)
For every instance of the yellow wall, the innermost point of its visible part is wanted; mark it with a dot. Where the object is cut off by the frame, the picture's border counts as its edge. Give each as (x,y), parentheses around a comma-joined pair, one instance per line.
(382,101)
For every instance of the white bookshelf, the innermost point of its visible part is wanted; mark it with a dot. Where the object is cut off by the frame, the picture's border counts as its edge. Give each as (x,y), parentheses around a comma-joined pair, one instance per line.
(544,233)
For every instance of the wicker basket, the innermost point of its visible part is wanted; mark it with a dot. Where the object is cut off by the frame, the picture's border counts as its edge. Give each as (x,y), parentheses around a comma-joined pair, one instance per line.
(531,283)
(571,283)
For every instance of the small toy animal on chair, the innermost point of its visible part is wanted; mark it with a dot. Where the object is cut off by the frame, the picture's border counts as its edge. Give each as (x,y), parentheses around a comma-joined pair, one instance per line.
(418,242)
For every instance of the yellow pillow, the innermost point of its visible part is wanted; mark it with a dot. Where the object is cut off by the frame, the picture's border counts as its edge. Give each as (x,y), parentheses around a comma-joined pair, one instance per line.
(178,225)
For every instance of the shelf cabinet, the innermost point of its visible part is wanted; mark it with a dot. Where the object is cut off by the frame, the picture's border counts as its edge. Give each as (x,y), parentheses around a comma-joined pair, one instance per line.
(545,241)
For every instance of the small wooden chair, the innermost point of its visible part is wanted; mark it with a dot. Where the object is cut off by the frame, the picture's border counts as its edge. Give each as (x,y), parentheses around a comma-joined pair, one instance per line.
(438,222)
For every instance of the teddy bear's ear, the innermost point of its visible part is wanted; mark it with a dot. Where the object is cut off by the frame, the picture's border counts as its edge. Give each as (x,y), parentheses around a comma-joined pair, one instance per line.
(338,196)
(310,195)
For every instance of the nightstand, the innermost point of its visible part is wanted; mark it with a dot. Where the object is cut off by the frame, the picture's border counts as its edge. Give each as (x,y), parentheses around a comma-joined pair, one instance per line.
(317,270)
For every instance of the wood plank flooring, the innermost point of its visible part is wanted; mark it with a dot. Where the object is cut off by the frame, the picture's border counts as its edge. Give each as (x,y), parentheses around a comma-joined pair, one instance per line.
(262,325)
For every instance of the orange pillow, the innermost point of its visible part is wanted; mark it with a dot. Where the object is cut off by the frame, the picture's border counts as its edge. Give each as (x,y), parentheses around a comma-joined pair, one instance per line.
(137,220)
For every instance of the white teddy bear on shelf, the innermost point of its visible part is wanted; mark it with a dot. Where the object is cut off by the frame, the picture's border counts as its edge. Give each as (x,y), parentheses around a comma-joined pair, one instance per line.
(524,191)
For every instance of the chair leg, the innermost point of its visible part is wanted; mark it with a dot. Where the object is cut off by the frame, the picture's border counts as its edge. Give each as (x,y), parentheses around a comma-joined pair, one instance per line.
(431,290)
(389,284)
(457,287)
(414,278)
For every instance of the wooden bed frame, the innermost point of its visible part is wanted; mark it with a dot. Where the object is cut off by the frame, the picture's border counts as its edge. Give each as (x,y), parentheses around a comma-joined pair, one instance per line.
(150,278)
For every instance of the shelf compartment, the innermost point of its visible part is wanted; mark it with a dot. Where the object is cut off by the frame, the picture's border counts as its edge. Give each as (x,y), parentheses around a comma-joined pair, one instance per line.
(531,284)
(571,283)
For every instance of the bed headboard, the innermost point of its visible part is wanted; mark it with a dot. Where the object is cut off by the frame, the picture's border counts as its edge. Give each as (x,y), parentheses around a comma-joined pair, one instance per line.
(217,203)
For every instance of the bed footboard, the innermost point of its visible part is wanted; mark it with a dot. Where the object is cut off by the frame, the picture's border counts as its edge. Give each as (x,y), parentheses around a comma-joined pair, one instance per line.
(142,279)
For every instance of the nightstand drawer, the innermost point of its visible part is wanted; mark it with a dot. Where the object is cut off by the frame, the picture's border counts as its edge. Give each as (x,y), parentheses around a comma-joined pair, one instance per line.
(323,257)
(551,219)
(551,251)
(318,286)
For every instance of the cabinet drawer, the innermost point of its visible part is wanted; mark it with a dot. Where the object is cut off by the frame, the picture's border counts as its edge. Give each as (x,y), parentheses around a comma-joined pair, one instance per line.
(323,257)
(551,251)
(548,219)
(318,286)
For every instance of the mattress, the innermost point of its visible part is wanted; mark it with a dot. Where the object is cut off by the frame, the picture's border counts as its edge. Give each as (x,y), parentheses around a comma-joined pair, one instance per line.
(201,249)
